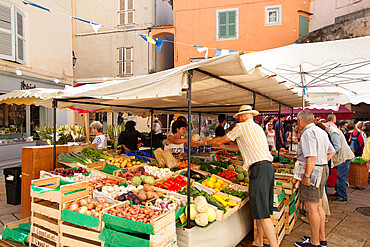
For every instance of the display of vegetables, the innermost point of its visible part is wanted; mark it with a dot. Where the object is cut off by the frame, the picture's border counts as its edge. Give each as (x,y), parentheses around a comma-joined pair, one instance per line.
(158,172)
(211,169)
(194,175)
(69,172)
(201,212)
(184,164)
(138,172)
(173,184)
(129,196)
(122,162)
(237,193)
(115,190)
(75,158)
(95,153)
(195,193)
(89,206)
(228,174)
(136,213)
(214,183)
(97,184)
(168,203)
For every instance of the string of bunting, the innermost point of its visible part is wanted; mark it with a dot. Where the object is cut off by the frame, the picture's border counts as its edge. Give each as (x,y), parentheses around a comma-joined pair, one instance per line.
(155,41)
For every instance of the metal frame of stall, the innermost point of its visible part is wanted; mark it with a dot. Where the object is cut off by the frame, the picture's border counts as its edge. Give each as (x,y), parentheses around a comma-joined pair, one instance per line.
(176,109)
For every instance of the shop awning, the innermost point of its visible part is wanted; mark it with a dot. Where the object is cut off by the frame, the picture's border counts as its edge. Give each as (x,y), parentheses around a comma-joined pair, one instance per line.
(333,67)
(219,85)
(28,97)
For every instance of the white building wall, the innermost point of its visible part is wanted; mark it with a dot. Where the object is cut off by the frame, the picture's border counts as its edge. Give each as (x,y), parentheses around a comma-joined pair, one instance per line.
(325,11)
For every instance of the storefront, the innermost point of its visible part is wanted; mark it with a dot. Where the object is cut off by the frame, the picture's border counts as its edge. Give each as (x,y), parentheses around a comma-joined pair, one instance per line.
(18,123)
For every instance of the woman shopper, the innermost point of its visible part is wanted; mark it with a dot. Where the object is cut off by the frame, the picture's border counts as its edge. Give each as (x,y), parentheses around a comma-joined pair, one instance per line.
(97,130)
(271,137)
(293,133)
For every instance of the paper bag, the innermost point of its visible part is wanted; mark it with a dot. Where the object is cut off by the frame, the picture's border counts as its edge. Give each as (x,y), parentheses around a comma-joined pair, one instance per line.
(158,153)
(171,162)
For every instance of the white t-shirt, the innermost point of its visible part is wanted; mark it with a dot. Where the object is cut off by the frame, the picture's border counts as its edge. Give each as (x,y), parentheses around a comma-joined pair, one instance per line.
(157,128)
(100,141)
(176,149)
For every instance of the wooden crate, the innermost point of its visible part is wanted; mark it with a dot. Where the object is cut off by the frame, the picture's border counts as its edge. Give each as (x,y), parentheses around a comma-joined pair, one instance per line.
(38,241)
(289,188)
(45,231)
(77,236)
(66,193)
(292,204)
(97,228)
(279,195)
(16,224)
(279,234)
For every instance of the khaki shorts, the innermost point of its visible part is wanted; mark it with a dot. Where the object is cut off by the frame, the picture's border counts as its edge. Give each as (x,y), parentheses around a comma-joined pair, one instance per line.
(312,193)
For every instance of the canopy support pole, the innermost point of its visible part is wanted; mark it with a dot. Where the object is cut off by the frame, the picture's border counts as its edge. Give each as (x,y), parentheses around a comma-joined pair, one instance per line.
(279,131)
(291,134)
(254,100)
(190,76)
(200,122)
(303,80)
(151,132)
(55,104)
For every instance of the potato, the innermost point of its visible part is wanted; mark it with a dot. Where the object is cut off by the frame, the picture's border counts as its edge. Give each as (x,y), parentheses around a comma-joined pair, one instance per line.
(159,193)
(141,196)
(150,195)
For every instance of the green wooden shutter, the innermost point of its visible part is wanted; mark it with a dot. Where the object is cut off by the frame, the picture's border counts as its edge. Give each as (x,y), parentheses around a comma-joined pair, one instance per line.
(227,24)
(222,24)
(303,25)
(232,24)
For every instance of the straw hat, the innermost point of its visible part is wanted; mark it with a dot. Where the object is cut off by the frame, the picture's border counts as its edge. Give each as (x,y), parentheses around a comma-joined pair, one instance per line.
(246,109)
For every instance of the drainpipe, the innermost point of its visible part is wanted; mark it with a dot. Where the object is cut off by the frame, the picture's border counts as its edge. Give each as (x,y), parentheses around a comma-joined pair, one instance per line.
(155,24)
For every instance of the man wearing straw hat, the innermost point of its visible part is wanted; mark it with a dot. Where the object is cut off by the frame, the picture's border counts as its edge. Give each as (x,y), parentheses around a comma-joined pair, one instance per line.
(252,143)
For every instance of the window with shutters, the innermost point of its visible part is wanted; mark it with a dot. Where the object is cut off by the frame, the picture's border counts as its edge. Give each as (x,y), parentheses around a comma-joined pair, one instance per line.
(273,15)
(126,12)
(227,24)
(125,61)
(12,40)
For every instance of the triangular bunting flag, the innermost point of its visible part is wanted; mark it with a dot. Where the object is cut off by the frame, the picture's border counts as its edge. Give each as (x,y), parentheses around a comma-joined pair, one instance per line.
(95,26)
(202,49)
(154,41)
(222,52)
(35,5)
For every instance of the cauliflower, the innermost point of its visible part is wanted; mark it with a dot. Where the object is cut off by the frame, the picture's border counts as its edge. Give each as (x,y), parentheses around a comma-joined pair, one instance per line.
(193,212)
(201,204)
(201,219)
(211,213)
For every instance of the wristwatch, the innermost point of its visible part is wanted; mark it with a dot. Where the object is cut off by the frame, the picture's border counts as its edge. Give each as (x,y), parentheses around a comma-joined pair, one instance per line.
(307,176)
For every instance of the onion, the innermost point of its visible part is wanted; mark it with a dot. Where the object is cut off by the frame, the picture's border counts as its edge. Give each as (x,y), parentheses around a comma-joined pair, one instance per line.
(83,202)
(102,200)
(90,206)
(74,206)
(88,212)
(106,205)
(83,210)
(99,208)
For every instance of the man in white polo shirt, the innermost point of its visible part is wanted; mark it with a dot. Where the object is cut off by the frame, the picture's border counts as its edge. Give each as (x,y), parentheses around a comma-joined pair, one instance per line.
(252,143)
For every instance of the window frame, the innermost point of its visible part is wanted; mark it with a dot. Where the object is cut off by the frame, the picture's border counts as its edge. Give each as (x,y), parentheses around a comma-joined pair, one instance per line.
(236,24)
(124,61)
(280,14)
(17,11)
(11,32)
(126,11)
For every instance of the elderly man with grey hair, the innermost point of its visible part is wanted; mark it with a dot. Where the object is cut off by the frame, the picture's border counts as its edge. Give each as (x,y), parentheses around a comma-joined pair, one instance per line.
(314,149)
(331,120)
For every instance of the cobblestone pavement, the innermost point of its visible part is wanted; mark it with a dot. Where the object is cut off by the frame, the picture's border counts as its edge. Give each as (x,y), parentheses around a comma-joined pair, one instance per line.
(346,227)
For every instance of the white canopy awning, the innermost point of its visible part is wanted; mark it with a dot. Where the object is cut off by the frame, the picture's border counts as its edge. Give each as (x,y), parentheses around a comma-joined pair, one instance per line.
(219,85)
(340,67)
(28,97)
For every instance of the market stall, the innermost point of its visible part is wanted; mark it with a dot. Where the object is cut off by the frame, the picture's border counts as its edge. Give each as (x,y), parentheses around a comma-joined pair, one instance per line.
(214,86)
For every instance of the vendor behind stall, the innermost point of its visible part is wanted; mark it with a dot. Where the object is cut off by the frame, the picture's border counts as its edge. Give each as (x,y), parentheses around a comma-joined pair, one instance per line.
(176,141)
(129,139)
(97,130)
(220,130)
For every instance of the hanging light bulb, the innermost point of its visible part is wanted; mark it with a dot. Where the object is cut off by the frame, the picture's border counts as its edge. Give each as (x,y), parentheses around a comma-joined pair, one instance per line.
(56,80)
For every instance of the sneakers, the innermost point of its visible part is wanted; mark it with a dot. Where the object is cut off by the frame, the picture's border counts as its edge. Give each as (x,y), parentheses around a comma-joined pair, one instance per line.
(306,239)
(305,244)
(340,200)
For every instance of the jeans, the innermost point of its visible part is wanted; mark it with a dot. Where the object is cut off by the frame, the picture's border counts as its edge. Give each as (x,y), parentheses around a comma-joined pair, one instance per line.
(342,174)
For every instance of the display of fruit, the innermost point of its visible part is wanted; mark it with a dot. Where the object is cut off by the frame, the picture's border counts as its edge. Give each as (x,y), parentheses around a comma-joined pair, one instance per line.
(89,206)
(140,171)
(122,162)
(173,184)
(215,184)
(69,172)
(97,184)
(136,213)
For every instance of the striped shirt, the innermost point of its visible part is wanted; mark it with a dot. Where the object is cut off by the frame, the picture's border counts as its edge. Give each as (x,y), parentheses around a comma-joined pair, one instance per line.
(251,141)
